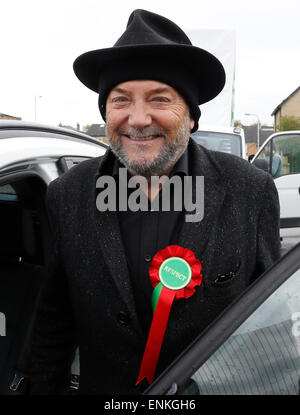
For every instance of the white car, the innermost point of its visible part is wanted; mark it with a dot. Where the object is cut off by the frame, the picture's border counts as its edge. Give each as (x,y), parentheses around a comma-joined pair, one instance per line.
(226,139)
(31,156)
(43,149)
(280,156)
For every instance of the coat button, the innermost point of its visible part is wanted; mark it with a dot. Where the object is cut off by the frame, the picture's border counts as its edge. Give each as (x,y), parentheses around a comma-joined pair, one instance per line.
(147,258)
(123,318)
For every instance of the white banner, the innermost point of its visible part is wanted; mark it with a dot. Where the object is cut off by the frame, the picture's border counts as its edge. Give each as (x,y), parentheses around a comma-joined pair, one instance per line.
(221,43)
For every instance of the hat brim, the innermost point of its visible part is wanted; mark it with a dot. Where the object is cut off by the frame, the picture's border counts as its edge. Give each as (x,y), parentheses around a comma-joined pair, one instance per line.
(206,68)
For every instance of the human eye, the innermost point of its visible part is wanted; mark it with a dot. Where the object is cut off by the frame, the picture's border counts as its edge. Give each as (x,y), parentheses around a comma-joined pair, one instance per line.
(120,99)
(160,99)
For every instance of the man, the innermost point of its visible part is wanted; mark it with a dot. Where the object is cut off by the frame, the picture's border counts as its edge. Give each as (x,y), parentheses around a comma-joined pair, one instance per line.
(98,294)
(276,163)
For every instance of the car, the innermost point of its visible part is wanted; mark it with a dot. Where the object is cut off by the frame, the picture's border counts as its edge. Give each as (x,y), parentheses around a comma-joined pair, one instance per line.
(252,348)
(280,156)
(31,156)
(24,145)
(226,139)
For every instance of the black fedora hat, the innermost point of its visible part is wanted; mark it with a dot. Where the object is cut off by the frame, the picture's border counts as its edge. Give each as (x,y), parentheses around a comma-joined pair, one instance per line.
(152,47)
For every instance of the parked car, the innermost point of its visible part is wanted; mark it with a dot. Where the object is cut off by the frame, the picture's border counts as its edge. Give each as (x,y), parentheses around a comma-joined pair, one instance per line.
(280,156)
(31,156)
(252,348)
(225,139)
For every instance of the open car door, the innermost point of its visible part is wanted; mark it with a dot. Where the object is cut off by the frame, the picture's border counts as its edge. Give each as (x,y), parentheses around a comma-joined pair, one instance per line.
(253,348)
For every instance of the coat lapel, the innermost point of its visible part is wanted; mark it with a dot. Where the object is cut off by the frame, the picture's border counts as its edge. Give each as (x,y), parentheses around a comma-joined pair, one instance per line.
(110,240)
(195,235)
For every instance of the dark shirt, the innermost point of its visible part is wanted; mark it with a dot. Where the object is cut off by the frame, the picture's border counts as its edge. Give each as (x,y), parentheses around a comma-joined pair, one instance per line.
(145,233)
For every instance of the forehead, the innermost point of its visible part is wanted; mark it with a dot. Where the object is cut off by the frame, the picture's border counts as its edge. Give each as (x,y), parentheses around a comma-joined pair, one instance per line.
(144,86)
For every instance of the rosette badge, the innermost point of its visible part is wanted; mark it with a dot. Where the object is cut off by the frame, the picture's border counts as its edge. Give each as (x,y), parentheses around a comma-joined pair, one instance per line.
(174,273)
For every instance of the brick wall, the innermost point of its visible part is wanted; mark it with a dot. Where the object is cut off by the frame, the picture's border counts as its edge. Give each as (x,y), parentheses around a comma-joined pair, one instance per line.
(291,108)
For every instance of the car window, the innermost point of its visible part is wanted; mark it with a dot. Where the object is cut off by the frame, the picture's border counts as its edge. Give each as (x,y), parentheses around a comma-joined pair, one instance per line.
(8,193)
(263,160)
(227,143)
(262,357)
(285,155)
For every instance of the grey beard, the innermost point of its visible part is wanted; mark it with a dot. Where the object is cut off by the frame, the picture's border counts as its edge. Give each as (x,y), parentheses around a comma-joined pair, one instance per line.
(165,160)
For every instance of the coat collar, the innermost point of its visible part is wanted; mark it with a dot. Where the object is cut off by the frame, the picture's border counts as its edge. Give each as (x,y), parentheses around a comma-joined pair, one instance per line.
(193,235)
(112,245)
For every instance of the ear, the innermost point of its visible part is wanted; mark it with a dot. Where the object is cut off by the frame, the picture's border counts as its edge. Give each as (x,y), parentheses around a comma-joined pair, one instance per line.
(192,123)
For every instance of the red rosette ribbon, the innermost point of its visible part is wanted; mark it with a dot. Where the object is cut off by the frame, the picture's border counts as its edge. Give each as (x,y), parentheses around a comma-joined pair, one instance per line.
(169,284)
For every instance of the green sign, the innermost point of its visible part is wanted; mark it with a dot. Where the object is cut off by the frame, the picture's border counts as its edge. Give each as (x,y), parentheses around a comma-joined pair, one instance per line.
(175,273)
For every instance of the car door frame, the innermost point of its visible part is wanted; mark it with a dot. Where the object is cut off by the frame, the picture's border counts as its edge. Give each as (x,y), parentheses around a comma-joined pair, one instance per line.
(224,326)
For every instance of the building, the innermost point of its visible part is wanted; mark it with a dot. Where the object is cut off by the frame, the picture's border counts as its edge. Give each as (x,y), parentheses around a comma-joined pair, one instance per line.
(8,117)
(250,132)
(97,131)
(290,106)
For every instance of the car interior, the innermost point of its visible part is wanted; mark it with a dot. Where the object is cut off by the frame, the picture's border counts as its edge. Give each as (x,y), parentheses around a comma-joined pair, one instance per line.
(23,247)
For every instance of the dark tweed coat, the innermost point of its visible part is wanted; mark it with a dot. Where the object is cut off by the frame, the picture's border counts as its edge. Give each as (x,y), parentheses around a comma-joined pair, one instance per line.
(88,298)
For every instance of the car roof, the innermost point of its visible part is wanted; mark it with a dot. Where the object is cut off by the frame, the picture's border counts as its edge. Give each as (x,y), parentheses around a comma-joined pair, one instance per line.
(16,128)
(219,129)
(23,142)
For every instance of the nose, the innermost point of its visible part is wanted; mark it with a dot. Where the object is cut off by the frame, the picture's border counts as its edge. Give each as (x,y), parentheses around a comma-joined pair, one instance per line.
(139,115)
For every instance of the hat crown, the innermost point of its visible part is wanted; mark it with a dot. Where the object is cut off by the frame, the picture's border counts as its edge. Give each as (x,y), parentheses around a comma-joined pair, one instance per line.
(145,27)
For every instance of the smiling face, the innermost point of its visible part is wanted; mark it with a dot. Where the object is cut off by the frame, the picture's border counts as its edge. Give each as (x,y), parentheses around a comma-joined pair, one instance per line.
(147,125)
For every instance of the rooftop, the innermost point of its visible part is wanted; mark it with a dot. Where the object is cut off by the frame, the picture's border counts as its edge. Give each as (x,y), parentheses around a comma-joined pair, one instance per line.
(96,130)
(286,99)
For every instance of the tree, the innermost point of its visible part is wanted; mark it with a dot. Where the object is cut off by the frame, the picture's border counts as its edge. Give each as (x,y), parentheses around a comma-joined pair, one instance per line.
(86,127)
(237,123)
(289,122)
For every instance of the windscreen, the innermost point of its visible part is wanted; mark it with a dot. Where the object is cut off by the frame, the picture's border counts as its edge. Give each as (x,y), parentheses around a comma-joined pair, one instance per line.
(227,143)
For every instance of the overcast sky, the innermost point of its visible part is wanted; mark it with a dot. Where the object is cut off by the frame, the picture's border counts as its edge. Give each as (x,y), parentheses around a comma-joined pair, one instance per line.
(40,39)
